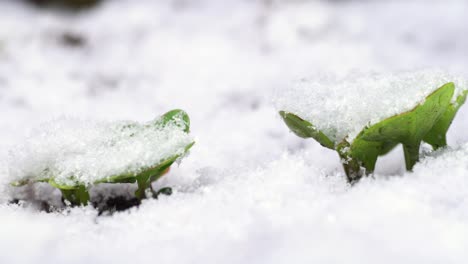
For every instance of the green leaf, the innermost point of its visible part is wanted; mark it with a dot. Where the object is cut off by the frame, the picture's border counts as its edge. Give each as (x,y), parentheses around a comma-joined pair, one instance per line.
(62,186)
(165,191)
(362,153)
(76,192)
(304,129)
(428,121)
(27,181)
(20,183)
(145,178)
(176,116)
(437,135)
(410,128)
(415,124)
(153,171)
(151,174)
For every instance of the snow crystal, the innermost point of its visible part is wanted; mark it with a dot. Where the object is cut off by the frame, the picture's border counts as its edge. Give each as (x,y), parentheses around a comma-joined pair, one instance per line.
(86,151)
(341,106)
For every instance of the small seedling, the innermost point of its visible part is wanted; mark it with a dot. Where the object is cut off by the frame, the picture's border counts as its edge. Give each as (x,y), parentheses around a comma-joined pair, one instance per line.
(75,191)
(427,122)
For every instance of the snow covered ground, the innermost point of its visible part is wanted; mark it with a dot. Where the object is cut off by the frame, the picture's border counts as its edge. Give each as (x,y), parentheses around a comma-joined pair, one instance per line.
(251,191)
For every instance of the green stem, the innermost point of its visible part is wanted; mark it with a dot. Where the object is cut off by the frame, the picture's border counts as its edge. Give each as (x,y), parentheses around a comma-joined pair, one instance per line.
(440,142)
(143,182)
(351,166)
(78,196)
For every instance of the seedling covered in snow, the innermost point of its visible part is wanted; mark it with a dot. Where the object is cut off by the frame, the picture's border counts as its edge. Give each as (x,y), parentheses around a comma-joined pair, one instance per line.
(363,117)
(73,155)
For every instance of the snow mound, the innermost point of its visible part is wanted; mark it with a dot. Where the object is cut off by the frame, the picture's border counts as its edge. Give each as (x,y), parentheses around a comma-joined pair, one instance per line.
(70,150)
(341,106)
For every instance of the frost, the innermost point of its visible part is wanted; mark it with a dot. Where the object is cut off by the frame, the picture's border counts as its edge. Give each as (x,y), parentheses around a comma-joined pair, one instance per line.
(72,150)
(341,106)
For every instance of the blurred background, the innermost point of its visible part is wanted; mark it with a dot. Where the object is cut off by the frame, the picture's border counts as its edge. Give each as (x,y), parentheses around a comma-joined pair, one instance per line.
(219,60)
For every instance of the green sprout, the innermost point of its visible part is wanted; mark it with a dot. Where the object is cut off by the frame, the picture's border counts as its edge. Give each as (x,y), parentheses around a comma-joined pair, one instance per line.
(76,193)
(427,122)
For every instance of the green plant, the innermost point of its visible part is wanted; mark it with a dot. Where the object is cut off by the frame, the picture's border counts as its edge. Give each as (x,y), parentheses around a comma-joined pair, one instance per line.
(428,122)
(76,192)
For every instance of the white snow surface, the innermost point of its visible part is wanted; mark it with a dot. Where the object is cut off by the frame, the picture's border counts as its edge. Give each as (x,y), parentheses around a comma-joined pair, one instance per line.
(342,106)
(251,191)
(74,151)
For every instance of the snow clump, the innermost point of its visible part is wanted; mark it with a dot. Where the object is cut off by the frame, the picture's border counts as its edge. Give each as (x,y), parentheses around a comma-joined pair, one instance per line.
(71,150)
(341,106)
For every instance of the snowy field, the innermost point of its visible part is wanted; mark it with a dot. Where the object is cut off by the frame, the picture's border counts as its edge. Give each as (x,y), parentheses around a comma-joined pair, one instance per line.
(250,191)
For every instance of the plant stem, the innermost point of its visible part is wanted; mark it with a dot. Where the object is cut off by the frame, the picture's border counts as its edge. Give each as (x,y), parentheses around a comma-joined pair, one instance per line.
(143,183)
(351,166)
(78,196)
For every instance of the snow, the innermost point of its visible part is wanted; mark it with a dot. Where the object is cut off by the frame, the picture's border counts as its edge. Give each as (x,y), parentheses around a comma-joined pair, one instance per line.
(74,151)
(341,106)
(251,191)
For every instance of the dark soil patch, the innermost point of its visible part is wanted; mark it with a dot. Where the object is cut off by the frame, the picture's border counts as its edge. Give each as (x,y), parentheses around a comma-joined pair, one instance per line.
(72,40)
(116,204)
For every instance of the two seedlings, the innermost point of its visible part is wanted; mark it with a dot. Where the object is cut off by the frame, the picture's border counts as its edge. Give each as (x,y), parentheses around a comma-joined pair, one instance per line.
(349,116)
